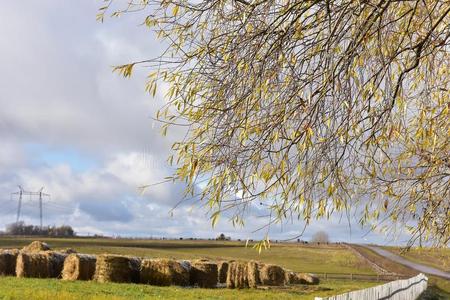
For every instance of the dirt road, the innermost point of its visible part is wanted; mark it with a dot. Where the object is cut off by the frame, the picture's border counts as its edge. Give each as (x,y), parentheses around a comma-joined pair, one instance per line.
(408,263)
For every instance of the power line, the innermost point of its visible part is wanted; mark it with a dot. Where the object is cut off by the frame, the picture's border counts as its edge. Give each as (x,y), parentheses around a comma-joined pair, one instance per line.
(21,193)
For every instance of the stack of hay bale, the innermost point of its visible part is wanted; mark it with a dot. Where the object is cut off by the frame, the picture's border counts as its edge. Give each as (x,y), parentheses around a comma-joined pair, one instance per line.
(301,278)
(165,272)
(36,246)
(272,275)
(38,261)
(222,271)
(79,267)
(8,260)
(243,275)
(117,268)
(204,274)
(253,274)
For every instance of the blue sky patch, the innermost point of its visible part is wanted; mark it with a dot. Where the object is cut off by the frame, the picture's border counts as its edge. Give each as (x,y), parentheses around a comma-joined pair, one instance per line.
(52,156)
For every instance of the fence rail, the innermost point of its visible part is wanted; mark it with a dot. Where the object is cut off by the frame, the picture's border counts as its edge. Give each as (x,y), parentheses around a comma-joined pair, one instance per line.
(410,288)
(360,277)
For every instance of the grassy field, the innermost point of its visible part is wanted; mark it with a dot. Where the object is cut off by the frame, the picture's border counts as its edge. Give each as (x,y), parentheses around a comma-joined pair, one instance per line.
(43,289)
(438,258)
(301,258)
(297,257)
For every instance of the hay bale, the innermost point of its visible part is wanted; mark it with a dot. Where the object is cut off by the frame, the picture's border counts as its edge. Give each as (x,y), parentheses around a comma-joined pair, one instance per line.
(272,275)
(117,268)
(304,278)
(36,246)
(243,275)
(301,278)
(204,274)
(164,272)
(79,267)
(68,251)
(237,275)
(222,271)
(46,264)
(253,274)
(8,260)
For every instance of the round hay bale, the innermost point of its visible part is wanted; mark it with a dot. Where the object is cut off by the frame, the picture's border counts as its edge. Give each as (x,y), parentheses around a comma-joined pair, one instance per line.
(8,260)
(164,272)
(243,275)
(68,251)
(79,267)
(305,278)
(291,277)
(253,274)
(222,271)
(46,264)
(272,275)
(36,246)
(117,268)
(237,277)
(204,274)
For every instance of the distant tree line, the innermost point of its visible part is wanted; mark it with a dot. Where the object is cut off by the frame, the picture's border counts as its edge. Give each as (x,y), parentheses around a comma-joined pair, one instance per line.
(20,228)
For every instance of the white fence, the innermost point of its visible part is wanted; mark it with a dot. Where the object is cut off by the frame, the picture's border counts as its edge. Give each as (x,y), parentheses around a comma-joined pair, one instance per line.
(409,289)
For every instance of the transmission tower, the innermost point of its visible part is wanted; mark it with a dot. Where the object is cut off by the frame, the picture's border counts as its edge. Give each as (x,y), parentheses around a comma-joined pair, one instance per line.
(21,193)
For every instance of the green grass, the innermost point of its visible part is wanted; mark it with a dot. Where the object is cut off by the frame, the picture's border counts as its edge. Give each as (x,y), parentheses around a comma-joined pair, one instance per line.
(40,289)
(301,258)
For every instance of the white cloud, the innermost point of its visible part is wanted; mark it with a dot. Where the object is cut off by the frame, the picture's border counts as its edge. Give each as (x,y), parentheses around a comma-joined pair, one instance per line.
(57,90)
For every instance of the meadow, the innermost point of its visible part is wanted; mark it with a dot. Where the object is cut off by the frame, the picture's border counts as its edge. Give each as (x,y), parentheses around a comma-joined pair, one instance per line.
(309,258)
(43,289)
(330,258)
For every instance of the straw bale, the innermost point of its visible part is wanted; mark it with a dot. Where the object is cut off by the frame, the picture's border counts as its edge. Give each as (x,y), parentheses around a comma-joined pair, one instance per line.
(243,275)
(164,272)
(272,275)
(8,260)
(68,251)
(253,274)
(222,269)
(46,264)
(204,274)
(36,246)
(237,276)
(303,278)
(79,267)
(117,268)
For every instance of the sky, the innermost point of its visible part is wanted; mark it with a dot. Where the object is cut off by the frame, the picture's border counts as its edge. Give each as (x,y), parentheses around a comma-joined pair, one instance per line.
(86,135)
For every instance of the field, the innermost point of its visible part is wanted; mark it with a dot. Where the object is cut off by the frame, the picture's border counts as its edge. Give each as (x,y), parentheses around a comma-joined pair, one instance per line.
(297,257)
(40,289)
(309,258)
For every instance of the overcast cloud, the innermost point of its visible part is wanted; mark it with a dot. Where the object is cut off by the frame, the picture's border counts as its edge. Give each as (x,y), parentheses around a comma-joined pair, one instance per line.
(68,124)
